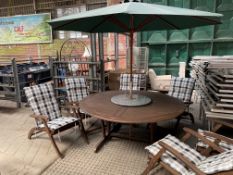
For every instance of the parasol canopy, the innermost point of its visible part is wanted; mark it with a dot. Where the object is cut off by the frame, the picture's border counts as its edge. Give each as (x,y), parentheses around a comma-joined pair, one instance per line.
(135,16)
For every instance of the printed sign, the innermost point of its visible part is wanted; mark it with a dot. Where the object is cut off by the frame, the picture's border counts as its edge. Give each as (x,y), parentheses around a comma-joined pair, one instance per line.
(25,29)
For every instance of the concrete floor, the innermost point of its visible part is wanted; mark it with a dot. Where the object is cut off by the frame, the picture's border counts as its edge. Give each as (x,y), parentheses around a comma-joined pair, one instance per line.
(19,155)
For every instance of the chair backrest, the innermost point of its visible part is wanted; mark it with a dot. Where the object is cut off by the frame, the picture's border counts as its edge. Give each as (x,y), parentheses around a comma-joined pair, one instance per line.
(159,82)
(182,88)
(76,88)
(152,73)
(138,79)
(42,100)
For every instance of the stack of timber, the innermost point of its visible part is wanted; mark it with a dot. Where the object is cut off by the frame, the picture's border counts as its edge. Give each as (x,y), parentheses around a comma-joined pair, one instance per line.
(214,84)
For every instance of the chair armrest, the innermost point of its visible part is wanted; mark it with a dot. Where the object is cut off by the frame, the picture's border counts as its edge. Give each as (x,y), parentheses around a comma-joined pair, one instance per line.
(181,158)
(41,118)
(72,105)
(188,102)
(218,136)
(203,139)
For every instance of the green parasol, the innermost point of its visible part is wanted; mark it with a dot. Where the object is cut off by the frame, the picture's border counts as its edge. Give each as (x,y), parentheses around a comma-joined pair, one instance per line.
(133,17)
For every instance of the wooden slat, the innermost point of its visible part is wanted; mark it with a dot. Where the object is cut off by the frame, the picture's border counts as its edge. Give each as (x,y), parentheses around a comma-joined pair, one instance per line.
(214,81)
(219,84)
(227,105)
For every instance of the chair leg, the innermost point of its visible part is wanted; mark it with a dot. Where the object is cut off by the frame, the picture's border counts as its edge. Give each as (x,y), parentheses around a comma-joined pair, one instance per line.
(180,117)
(32,132)
(55,146)
(191,117)
(36,130)
(153,161)
(177,123)
(83,132)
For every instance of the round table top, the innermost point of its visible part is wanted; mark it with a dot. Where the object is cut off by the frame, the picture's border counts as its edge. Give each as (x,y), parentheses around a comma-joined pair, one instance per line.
(162,107)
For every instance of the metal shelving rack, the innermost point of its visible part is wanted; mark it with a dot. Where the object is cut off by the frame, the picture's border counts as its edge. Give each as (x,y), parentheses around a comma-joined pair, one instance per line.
(65,68)
(9,86)
(13,78)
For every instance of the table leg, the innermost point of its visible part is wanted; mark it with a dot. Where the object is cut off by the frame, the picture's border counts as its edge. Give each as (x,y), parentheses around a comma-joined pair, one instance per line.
(103,128)
(106,136)
(152,131)
(108,128)
(130,131)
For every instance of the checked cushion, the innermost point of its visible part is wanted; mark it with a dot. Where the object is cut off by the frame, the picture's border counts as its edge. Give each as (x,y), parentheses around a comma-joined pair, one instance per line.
(182,88)
(76,89)
(42,100)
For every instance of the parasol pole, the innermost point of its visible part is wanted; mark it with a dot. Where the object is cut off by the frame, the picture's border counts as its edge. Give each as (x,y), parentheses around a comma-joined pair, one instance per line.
(131,65)
(131,58)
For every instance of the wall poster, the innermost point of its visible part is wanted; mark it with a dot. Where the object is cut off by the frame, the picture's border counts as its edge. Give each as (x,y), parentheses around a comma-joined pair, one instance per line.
(25,29)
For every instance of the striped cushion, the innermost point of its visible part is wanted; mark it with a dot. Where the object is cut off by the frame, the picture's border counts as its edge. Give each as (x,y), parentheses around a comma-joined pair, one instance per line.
(226,146)
(182,88)
(76,89)
(42,100)
(182,148)
(217,163)
(59,122)
(137,79)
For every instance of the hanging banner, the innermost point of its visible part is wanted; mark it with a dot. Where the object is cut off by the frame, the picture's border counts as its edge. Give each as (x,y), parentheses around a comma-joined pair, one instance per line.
(25,29)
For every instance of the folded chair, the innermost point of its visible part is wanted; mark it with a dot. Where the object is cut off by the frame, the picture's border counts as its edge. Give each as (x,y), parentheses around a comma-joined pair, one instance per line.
(222,141)
(179,158)
(47,114)
(182,88)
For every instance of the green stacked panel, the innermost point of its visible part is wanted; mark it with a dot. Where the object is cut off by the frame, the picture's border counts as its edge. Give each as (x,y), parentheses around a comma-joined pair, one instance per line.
(175,53)
(169,47)
(157,58)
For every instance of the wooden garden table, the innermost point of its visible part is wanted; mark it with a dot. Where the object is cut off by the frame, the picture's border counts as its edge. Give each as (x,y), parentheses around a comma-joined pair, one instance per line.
(162,107)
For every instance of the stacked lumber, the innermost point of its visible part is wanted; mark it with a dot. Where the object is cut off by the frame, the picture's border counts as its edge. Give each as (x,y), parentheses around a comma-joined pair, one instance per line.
(214,84)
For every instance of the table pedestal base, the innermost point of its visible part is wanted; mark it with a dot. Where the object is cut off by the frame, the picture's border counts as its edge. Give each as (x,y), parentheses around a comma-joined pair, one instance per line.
(106,136)
(110,132)
(125,100)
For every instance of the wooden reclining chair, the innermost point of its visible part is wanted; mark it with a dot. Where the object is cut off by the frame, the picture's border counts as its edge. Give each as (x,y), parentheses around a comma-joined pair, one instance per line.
(182,88)
(47,114)
(138,80)
(179,158)
(77,89)
(217,124)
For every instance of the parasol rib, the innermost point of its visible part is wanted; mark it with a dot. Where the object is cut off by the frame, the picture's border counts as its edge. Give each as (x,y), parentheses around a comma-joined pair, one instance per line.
(167,22)
(60,26)
(112,19)
(119,23)
(208,20)
(146,21)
